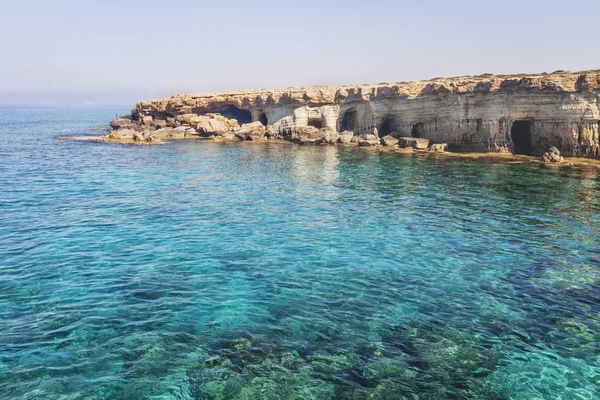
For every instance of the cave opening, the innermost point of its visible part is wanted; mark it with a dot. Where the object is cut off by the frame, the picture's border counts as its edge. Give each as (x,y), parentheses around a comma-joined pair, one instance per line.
(232,112)
(263,119)
(387,127)
(520,133)
(348,121)
(317,123)
(417,130)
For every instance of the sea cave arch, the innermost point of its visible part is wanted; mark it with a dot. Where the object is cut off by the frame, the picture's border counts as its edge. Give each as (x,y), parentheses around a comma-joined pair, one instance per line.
(417,130)
(315,122)
(348,121)
(520,134)
(263,119)
(387,127)
(232,112)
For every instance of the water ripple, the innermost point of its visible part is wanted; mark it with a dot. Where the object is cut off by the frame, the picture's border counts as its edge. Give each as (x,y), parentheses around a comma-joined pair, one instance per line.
(201,270)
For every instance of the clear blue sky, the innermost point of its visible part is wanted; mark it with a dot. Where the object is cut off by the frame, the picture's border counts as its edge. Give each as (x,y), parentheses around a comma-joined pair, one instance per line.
(123,51)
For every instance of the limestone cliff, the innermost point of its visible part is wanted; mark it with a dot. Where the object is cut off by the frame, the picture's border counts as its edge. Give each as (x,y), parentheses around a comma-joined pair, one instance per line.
(524,114)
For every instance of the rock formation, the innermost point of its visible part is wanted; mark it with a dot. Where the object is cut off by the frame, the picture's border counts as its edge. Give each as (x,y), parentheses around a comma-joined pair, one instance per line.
(389,141)
(523,114)
(552,155)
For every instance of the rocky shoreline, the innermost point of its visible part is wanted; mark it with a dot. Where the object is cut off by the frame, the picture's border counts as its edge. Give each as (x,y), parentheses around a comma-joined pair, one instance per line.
(540,115)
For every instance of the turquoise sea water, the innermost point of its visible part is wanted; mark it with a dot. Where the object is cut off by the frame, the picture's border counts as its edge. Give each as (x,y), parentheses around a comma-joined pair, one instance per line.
(199,270)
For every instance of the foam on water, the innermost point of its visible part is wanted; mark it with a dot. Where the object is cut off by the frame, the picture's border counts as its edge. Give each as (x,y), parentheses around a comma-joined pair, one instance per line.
(199,270)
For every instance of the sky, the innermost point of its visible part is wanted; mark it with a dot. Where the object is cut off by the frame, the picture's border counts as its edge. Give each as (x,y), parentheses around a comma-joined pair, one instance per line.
(121,52)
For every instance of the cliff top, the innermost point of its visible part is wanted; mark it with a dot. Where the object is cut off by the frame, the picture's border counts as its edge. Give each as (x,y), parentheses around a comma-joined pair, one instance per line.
(558,81)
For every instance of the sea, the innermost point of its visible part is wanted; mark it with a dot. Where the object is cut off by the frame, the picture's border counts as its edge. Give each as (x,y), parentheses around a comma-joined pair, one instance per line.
(204,270)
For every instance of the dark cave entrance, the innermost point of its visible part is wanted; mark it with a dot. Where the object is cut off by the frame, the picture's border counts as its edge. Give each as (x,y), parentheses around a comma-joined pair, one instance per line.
(263,119)
(232,112)
(417,130)
(387,127)
(317,123)
(520,133)
(348,121)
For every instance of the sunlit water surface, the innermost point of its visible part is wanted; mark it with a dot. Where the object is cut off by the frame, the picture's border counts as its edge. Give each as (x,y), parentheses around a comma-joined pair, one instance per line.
(199,270)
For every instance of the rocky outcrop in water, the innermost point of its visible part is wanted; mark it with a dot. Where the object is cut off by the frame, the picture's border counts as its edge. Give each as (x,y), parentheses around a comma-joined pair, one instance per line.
(552,155)
(524,114)
(389,141)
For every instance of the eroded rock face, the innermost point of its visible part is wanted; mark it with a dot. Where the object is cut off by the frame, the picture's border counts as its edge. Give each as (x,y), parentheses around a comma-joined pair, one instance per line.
(479,113)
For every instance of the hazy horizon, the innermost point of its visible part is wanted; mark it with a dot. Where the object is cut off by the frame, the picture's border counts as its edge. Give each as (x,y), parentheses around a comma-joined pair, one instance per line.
(66,52)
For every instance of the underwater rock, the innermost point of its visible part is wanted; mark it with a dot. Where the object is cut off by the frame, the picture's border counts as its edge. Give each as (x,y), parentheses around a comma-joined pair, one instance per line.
(362,375)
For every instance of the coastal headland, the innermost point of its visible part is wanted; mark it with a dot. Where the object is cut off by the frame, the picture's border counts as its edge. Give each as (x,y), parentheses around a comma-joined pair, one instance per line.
(519,114)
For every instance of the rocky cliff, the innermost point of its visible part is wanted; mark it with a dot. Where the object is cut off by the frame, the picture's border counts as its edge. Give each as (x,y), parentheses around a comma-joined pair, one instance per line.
(524,114)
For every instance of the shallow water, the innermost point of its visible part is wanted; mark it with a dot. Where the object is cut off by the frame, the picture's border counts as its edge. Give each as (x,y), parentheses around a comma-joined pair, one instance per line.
(199,270)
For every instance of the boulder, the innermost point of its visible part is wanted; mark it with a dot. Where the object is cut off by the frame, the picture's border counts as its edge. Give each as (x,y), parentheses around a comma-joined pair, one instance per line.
(160,123)
(552,155)
(213,124)
(368,140)
(207,124)
(389,141)
(438,147)
(345,137)
(309,135)
(147,120)
(331,136)
(415,143)
(253,131)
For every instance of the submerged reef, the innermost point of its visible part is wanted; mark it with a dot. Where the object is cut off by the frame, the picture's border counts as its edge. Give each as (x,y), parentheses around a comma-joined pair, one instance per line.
(520,114)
